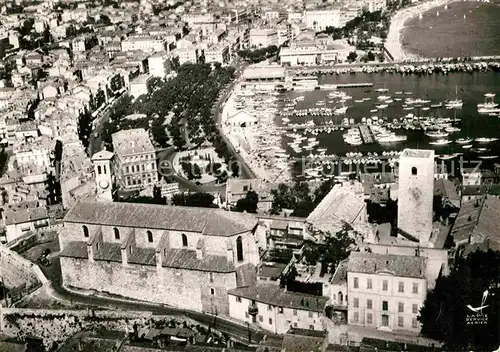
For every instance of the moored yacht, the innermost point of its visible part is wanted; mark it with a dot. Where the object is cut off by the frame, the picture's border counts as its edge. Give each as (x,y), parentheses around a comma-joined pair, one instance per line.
(485,140)
(464,140)
(440,142)
(437,134)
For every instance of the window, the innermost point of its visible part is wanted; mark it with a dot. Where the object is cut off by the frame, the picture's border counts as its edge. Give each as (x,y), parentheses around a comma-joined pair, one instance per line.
(414,323)
(356,283)
(245,188)
(401,307)
(261,318)
(385,284)
(99,171)
(356,303)
(97,246)
(415,287)
(401,286)
(401,322)
(211,277)
(385,305)
(311,327)
(143,167)
(212,291)
(414,308)
(295,312)
(117,233)
(385,320)
(270,321)
(239,249)
(310,314)
(132,168)
(238,299)
(150,236)
(104,168)
(414,171)
(369,318)
(269,307)
(369,304)
(369,284)
(152,166)
(246,315)
(355,317)
(85,231)
(184,240)
(280,310)
(294,325)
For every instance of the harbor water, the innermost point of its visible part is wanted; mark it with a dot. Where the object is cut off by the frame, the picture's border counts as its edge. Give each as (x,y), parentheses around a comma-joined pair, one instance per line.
(462,29)
(435,89)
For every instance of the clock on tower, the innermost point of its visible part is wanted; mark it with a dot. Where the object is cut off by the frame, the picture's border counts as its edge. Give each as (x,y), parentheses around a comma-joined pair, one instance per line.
(103,174)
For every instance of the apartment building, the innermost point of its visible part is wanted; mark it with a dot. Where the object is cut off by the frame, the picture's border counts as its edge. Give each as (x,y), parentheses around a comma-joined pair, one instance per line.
(386,291)
(320,19)
(272,309)
(263,37)
(135,164)
(146,43)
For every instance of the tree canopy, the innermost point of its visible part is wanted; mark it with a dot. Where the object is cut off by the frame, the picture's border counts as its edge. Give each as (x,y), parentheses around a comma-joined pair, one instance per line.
(258,55)
(199,199)
(248,204)
(443,315)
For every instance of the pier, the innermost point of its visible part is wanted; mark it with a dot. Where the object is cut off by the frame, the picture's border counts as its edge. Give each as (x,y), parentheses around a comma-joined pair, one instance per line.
(366,134)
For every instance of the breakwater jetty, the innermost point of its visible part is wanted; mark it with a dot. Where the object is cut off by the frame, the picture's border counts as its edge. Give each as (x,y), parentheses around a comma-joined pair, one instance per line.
(417,67)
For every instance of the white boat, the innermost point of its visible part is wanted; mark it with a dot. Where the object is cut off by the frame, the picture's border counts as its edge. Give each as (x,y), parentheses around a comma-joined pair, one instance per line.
(392,138)
(485,140)
(358,100)
(381,106)
(464,140)
(488,156)
(440,142)
(381,90)
(446,156)
(373,110)
(341,110)
(467,146)
(452,129)
(435,106)
(384,97)
(488,110)
(456,103)
(399,92)
(437,134)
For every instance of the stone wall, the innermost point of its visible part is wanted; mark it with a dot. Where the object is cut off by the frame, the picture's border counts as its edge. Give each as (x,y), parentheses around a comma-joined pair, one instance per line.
(58,325)
(185,289)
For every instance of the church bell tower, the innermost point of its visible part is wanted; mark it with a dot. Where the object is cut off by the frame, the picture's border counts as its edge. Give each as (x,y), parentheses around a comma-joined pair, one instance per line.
(103,174)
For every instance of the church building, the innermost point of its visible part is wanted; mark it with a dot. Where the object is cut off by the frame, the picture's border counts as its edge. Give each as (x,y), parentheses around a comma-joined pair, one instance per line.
(160,253)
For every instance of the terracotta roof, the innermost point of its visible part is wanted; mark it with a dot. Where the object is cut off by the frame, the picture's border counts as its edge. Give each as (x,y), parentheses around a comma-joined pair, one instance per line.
(273,295)
(298,341)
(144,256)
(109,252)
(186,259)
(208,221)
(21,216)
(340,276)
(397,265)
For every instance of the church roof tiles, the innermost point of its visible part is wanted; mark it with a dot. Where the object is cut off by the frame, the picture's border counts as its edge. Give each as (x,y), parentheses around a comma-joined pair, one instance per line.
(208,221)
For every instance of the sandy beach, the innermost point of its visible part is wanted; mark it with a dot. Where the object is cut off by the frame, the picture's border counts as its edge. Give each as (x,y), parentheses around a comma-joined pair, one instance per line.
(394,41)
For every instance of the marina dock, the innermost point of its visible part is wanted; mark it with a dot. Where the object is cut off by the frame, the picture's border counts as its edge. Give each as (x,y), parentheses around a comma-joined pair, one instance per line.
(366,134)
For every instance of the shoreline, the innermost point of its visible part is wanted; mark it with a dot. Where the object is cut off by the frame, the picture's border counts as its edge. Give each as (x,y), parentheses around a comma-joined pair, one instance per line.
(394,41)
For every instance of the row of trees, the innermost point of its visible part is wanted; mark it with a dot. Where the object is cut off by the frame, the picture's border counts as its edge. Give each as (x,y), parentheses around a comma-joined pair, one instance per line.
(258,55)
(187,99)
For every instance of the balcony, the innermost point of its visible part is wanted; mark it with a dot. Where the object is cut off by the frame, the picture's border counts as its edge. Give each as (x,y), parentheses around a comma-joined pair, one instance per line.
(252,309)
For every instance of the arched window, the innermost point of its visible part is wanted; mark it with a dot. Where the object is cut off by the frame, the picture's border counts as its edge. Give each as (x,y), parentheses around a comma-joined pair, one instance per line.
(85,231)
(99,171)
(104,168)
(150,236)
(184,240)
(340,297)
(239,249)
(414,171)
(117,233)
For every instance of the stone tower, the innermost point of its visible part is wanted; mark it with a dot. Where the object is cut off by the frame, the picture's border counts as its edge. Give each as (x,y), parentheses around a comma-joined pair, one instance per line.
(416,192)
(103,174)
